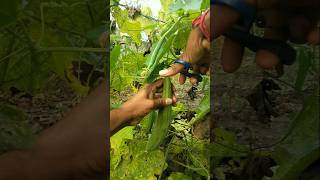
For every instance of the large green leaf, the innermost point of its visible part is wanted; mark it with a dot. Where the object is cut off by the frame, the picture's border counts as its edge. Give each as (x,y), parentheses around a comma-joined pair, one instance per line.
(28,73)
(126,25)
(118,145)
(126,70)
(301,147)
(138,164)
(8,11)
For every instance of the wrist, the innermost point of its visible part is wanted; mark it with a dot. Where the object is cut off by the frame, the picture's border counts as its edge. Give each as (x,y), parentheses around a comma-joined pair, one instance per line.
(123,116)
(202,23)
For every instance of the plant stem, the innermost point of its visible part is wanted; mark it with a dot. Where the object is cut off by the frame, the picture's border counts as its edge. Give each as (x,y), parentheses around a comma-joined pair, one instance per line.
(12,54)
(186,166)
(199,116)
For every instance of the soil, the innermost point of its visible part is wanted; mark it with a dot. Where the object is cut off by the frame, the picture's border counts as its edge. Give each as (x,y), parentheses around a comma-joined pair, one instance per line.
(47,108)
(232,111)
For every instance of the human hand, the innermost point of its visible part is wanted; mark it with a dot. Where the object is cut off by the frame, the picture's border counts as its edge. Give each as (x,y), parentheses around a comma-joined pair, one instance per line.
(196,53)
(283,20)
(146,100)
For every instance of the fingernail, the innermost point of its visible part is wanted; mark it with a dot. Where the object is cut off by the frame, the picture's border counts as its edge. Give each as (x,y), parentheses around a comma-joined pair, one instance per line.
(168,101)
(163,72)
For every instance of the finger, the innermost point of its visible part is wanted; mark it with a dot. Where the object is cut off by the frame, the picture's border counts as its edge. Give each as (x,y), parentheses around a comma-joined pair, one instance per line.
(155,86)
(174,100)
(161,102)
(174,90)
(219,24)
(314,36)
(194,80)
(157,96)
(206,44)
(152,88)
(204,70)
(277,21)
(231,56)
(171,71)
(174,95)
(182,79)
(266,60)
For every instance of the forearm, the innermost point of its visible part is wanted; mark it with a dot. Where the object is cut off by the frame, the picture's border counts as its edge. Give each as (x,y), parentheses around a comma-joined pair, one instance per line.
(118,120)
(13,165)
(74,148)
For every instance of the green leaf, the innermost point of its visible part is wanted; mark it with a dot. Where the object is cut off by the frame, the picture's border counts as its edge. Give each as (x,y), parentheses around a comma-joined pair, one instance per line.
(8,11)
(165,4)
(199,156)
(205,4)
(114,56)
(204,103)
(15,131)
(301,147)
(138,164)
(127,70)
(182,36)
(185,5)
(178,176)
(126,25)
(225,145)
(202,110)
(124,133)
(27,73)
(117,142)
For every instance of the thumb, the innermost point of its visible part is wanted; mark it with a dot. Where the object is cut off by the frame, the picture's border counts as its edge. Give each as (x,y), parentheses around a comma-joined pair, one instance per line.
(161,102)
(206,44)
(172,70)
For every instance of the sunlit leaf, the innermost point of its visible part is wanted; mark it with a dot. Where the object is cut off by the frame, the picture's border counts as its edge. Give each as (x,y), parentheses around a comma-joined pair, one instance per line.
(127,25)
(136,163)
(178,176)
(115,53)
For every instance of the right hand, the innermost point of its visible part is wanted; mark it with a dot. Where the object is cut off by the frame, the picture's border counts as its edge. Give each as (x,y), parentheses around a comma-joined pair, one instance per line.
(196,53)
(301,15)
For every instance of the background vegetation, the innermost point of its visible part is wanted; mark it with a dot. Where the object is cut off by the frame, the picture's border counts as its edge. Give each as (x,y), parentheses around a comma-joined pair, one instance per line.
(50,57)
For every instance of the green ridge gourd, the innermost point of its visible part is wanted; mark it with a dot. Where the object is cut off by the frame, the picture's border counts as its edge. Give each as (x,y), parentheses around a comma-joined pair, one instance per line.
(162,123)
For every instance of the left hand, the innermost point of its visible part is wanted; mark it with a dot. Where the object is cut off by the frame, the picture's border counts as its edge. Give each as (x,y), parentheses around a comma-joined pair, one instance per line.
(147,99)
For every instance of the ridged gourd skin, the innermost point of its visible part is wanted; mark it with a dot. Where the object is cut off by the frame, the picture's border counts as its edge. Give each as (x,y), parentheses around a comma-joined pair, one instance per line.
(162,123)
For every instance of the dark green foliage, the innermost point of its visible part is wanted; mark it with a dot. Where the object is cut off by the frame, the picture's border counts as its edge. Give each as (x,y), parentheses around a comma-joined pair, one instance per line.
(15,130)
